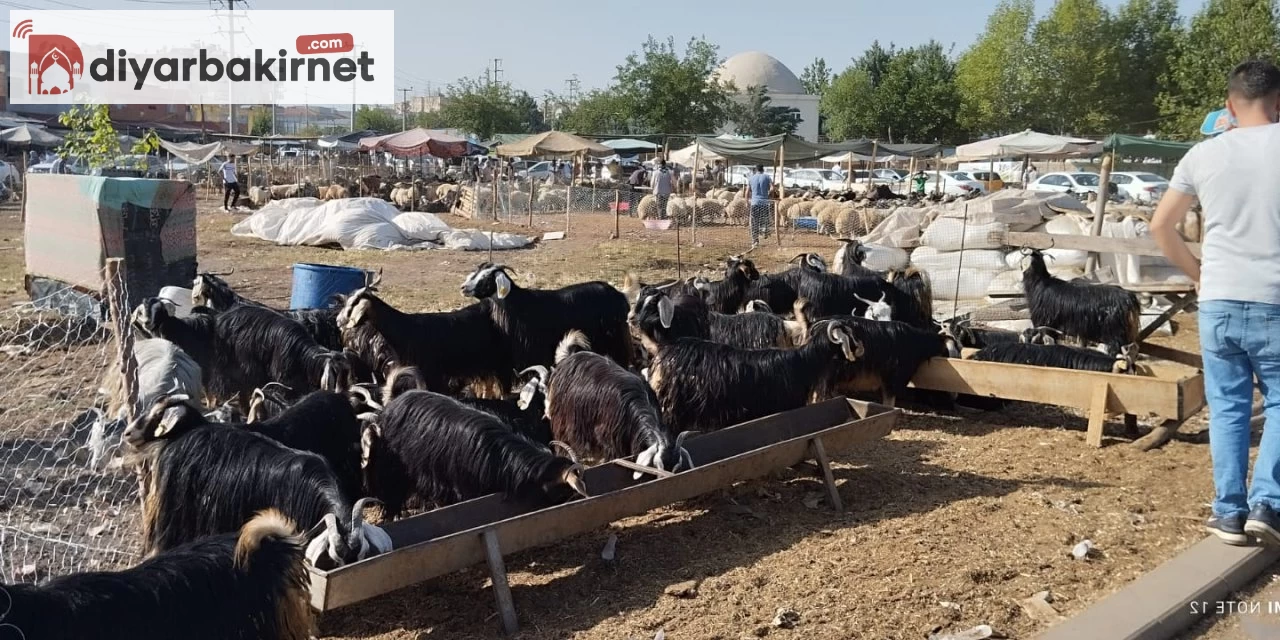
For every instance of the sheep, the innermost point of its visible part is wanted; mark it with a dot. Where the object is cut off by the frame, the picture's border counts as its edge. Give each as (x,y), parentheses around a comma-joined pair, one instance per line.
(647,209)
(443,451)
(333,192)
(532,321)
(894,351)
(259,196)
(283,191)
(210,290)
(247,585)
(246,347)
(162,369)
(445,190)
(1089,313)
(738,210)
(236,473)
(453,349)
(1060,356)
(706,385)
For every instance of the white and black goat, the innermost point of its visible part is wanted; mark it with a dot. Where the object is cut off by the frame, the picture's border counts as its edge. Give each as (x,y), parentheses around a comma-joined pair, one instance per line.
(248,584)
(211,291)
(203,479)
(605,411)
(780,290)
(451,350)
(431,446)
(705,385)
(1090,313)
(532,321)
(162,369)
(893,352)
(1060,356)
(849,258)
(526,411)
(246,347)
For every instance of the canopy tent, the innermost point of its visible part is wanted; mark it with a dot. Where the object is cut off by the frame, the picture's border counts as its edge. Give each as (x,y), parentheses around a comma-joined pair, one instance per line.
(552,143)
(193,153)
(1139,147)
(28,135)
(858,157)
(371,143)
(627,146)
(345,141)
(686,155)
(418,142)
(867,147)
(504,138)
(1028,144)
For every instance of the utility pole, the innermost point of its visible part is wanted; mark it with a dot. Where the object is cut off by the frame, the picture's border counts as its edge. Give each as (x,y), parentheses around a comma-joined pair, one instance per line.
(404,108)
(353,93)
(497,70)
(571,86)
(231,33)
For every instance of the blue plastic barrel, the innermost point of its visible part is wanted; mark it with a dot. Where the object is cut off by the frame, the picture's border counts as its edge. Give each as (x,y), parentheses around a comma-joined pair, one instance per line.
(314,285)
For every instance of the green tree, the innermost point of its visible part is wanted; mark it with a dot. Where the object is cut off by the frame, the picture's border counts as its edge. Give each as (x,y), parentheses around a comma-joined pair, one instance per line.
(92,137)
(429,120)
(1148,32)
(481,107)
(600,111)
(875,61)
(849,106)
(755,116)
(531,118)
(260,123)
(313,131)
(376,119)
(816,77)
(148,143)
(917,99)
(1075,69)
(1223,34)
(671,93)
(992,76)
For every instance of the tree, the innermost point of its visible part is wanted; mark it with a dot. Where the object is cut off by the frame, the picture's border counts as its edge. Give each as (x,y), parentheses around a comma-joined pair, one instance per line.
(917,99)
(1148,32)
(600,111)
(481,107)
(670,93)
(429,120)
(531,119)
(1075,69)
(849,105)
(875,61)
(754,116)
(92,137)
(376,119)
(1223,34)
(260,123)
(992,75)
(816,77)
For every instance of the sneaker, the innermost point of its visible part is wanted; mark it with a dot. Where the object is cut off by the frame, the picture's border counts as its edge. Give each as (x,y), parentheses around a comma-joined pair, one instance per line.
(1264,525)
(1229,529)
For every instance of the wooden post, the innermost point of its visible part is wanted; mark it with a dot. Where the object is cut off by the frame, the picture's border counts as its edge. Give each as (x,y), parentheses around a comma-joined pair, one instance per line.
(1099,211)
(679,265)
(494,184)
(693,182)
(820,455)
(118,306)
(568,198)
(617,204)
(871,166)
(937,176)
(501,589)
(1097,413)
(24,188)
(532,193)
(848,179)
(782,190)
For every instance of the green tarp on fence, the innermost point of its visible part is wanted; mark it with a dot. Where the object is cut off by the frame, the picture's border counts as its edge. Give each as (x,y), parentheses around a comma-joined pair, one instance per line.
(1139,147)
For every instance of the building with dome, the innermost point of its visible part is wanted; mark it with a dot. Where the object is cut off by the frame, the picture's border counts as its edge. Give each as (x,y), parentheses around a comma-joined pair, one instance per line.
(754,69)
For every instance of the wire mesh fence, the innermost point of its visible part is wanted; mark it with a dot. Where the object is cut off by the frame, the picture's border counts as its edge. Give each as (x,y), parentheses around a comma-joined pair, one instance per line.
(66,503)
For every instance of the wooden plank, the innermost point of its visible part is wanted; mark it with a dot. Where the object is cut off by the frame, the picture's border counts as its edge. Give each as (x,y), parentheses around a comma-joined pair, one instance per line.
(427,559)
(501,589)
(1139,395)
(1159,604)
(1098,413)
(1167,315)
(820,454)
(1191,395)
(1172,355)
(1128,246)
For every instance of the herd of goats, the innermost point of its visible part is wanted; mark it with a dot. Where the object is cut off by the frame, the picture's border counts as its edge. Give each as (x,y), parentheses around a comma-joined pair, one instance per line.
(253,419)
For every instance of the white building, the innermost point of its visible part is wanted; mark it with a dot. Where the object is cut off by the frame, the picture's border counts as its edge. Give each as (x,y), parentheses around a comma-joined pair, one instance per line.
(755,69)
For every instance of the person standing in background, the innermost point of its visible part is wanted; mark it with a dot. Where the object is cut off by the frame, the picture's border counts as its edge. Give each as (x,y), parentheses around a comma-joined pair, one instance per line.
(759,185)
(662,181)
(230,184)
(1238,280)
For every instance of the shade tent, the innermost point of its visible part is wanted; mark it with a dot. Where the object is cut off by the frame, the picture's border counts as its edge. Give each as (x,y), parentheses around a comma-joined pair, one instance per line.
(1028,144)
(686,155)
(858,157)
(866,148)
(552,143)
(345,141)
(27,135)
(628,146)
(371,143)
(193,153)
(1139,147)
(421,142)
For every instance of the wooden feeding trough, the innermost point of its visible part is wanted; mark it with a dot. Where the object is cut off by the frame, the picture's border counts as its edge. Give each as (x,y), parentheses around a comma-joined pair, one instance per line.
(1172,393)
(455,537)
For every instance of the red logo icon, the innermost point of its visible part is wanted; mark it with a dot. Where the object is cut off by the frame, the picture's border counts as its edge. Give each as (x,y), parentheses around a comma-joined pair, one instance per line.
(55,61)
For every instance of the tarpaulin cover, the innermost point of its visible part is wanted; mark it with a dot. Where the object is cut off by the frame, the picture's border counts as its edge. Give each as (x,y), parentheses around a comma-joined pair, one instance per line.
(1139,147)
(193,153)
(867,147)
(552,143)
(1028,144)
(28,135)
(631,145)
(765,150)
(363,223)
(74,223)
(418,142)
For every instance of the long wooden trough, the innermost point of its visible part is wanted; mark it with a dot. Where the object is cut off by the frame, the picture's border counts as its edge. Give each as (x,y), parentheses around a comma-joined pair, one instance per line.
(452,538)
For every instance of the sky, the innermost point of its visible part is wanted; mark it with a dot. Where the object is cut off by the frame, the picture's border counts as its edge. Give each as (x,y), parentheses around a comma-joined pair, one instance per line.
(543,44)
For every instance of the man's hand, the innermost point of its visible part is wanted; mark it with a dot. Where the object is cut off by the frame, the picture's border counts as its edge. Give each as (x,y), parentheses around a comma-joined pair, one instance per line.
(1172,210)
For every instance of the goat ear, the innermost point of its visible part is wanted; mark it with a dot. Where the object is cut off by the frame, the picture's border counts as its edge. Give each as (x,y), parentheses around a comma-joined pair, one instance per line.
(645,458)
(504,285)
(666,312)
(368,436)
(169,420)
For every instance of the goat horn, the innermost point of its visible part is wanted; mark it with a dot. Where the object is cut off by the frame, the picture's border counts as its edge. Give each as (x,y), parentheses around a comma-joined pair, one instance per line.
(567,449)
(798,256)
(846,240)
(357,511)
(538,369)
(375,280)
(220,273)
(684,434)
(664,287)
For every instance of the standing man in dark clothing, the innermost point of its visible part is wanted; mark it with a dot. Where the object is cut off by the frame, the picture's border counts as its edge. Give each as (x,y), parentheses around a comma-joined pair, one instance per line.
(759,184)
(663,182)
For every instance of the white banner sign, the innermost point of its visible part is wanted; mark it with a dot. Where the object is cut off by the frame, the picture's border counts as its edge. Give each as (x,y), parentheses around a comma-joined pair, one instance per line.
(210,57)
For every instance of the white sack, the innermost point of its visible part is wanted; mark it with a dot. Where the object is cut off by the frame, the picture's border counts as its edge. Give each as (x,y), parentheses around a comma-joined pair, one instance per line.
(899,229)
(931,259)
(973,284)
(882,258)
(419,225)
(476,240)
(951,234)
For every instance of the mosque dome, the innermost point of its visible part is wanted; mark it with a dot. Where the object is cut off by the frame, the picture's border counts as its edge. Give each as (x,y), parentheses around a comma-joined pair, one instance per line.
(754,69)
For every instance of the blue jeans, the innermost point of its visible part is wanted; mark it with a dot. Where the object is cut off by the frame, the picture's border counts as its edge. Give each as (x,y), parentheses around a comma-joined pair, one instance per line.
(761,220)
(1241,340)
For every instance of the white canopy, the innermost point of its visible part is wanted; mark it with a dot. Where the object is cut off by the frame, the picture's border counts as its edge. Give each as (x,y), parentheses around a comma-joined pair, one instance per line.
(1028,144)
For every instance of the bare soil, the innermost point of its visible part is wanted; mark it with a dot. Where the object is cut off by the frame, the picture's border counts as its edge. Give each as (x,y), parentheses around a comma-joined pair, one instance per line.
(949,521)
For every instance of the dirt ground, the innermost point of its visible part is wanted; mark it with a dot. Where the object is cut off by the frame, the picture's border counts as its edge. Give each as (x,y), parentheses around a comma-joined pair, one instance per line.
(949,521)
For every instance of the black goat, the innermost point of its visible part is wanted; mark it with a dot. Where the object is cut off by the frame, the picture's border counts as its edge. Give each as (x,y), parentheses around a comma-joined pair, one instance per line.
(660,318)
(250,585)
(323,423)
(894,351)
(911,297)
(451,350)
(246,347)
(209,290)
(605,411)
(730,294)
(268,401)
(1060,356)
(1089,313)
(972,336)
(446,452)
(203,479)
(532,321)
(760,329)
(705,385)
(849,258)
(526,412)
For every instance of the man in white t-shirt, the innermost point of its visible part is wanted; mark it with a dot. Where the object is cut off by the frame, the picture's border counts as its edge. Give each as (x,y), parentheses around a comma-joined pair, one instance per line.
(1238,277)
(230,184)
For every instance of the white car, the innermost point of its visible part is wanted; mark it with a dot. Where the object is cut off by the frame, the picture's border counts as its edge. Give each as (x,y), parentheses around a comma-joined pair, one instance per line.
(1140,187)
(1067,182)
(538,171)
(821,179)
(738,174)
(954,183)
(891,176)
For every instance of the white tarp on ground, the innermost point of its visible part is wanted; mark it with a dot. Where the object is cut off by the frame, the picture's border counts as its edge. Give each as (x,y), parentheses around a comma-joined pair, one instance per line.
(363,223)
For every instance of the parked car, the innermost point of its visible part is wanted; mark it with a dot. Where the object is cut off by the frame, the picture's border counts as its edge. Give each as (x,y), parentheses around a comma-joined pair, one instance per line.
(1139,186)
(70,165)
(891,176)
(954,183)
(738,174)
(1079,182)
(539,171)
(991,181)
(821,179)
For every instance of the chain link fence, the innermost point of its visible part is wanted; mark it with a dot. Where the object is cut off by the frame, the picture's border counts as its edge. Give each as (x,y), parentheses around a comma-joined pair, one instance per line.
(66,503)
